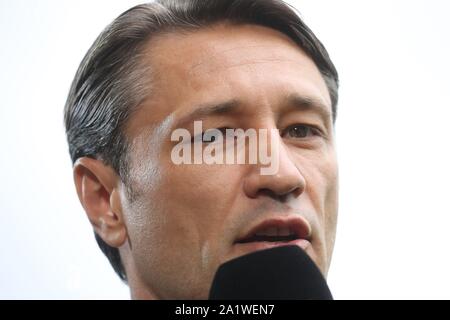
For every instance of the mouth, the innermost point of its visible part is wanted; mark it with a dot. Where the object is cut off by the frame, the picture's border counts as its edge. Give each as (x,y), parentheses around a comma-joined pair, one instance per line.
(277,232)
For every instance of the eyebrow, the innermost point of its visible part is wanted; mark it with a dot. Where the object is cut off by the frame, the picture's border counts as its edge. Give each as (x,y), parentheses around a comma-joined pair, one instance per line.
(206,110)
(307,103)
(292,101)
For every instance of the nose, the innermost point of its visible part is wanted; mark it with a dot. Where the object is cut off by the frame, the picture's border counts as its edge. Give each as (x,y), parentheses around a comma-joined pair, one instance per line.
(287,181)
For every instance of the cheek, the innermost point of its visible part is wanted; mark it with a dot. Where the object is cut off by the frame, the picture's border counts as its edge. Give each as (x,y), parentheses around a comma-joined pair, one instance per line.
(332,195)
(331,213)
(321,175)
(188,206)
(165,241)
(204,194)
(328,178)
(194,202)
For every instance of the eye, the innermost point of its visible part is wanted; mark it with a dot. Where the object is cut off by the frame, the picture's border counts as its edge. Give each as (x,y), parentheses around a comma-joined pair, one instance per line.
(209,136)
(300,131)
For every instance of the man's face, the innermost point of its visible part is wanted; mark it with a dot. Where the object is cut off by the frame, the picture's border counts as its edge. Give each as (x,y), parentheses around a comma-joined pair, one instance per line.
(185,220)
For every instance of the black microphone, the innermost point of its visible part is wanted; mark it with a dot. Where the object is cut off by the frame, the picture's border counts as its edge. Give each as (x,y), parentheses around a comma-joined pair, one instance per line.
(281,273)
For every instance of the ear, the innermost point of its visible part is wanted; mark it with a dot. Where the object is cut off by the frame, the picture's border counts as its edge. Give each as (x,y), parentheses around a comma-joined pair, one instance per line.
(98,190)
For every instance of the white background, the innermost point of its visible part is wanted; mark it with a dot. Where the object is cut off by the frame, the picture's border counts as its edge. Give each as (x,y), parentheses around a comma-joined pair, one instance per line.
(392,129)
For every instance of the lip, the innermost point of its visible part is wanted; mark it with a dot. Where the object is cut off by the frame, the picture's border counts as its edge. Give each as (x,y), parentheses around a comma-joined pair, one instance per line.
(262,245)
(299,225)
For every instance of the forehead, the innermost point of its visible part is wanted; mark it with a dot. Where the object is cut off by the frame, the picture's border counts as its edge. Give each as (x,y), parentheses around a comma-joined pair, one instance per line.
(220,47)
(224,62)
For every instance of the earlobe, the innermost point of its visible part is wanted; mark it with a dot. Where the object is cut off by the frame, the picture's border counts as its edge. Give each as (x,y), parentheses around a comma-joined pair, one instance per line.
(98,191)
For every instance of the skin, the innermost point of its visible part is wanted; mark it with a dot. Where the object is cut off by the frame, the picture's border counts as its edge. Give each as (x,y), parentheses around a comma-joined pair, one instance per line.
(184,219)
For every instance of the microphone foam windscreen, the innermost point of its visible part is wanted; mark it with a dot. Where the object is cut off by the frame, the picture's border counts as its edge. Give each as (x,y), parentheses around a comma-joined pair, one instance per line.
(285,272)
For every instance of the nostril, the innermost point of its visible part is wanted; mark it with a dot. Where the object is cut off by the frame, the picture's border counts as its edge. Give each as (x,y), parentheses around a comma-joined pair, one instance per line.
(278,186)
(283,198)
(273,195)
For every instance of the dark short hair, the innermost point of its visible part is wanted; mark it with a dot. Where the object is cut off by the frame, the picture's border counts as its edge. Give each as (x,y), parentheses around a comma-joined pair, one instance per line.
(111,80)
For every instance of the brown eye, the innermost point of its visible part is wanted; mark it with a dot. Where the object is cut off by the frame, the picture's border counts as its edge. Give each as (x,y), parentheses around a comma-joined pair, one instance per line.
(299,131)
